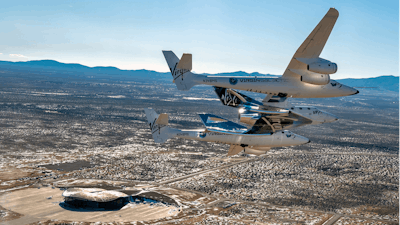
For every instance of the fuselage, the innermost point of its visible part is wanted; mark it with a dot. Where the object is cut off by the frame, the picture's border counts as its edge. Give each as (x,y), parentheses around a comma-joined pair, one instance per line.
(314,114)
(278,139)
(279,86)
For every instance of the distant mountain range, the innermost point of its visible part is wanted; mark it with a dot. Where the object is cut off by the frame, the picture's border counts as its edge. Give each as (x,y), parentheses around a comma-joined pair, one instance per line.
(388,82)
(45,69)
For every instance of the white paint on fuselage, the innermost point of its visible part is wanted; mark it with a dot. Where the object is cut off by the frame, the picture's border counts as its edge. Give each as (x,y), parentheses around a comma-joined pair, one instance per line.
(317,116)
(278,139)
(292,87)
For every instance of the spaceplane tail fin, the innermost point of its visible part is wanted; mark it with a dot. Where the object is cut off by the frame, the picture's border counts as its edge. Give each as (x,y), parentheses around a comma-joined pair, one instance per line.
(159,126)
(180,70)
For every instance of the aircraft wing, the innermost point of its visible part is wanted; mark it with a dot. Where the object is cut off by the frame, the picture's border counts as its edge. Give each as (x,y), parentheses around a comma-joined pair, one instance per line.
(312,47)
(273,113)
(219,124)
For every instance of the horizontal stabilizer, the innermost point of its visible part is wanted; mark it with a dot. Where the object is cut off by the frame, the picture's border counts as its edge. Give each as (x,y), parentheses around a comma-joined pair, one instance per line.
(234,150)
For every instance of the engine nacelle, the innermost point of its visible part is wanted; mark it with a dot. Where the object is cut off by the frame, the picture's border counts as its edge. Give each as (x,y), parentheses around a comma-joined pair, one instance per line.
(318,79)
(323,67)
(249,119)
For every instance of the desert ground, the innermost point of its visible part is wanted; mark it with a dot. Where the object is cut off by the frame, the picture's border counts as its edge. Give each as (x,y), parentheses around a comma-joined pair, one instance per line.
(60,134)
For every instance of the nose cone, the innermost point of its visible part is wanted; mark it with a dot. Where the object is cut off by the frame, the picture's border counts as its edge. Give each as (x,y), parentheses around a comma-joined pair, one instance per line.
(349,90)
(301,140)
(329,118)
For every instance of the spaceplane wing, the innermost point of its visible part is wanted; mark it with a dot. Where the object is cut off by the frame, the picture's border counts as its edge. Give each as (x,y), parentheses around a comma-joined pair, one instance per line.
(273,113)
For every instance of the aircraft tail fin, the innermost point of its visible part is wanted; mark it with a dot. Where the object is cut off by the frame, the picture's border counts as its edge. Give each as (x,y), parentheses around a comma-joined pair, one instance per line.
(180,70)
(172,60)
(159,126)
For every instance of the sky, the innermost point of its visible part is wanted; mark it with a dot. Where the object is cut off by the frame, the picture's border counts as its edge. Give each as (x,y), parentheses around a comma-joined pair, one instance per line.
(223,36)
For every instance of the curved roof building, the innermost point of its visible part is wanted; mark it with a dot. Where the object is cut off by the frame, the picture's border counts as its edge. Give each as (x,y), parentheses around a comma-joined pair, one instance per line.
(95,198)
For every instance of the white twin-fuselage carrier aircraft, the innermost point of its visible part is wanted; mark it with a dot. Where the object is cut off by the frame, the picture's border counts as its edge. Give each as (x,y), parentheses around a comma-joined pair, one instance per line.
(307,76)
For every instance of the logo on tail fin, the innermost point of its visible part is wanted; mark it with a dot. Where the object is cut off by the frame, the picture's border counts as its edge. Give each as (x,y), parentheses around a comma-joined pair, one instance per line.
(176,73)
(154,127)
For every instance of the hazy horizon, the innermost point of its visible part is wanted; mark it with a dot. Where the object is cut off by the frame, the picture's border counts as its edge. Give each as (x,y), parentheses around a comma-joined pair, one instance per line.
(192,71)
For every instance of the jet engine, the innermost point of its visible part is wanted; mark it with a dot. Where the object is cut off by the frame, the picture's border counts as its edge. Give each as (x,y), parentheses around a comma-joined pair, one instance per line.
(315,78)
(319,70)
(323,67)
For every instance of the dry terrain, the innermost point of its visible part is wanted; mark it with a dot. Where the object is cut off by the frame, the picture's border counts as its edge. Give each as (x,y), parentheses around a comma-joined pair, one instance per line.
(57,134)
